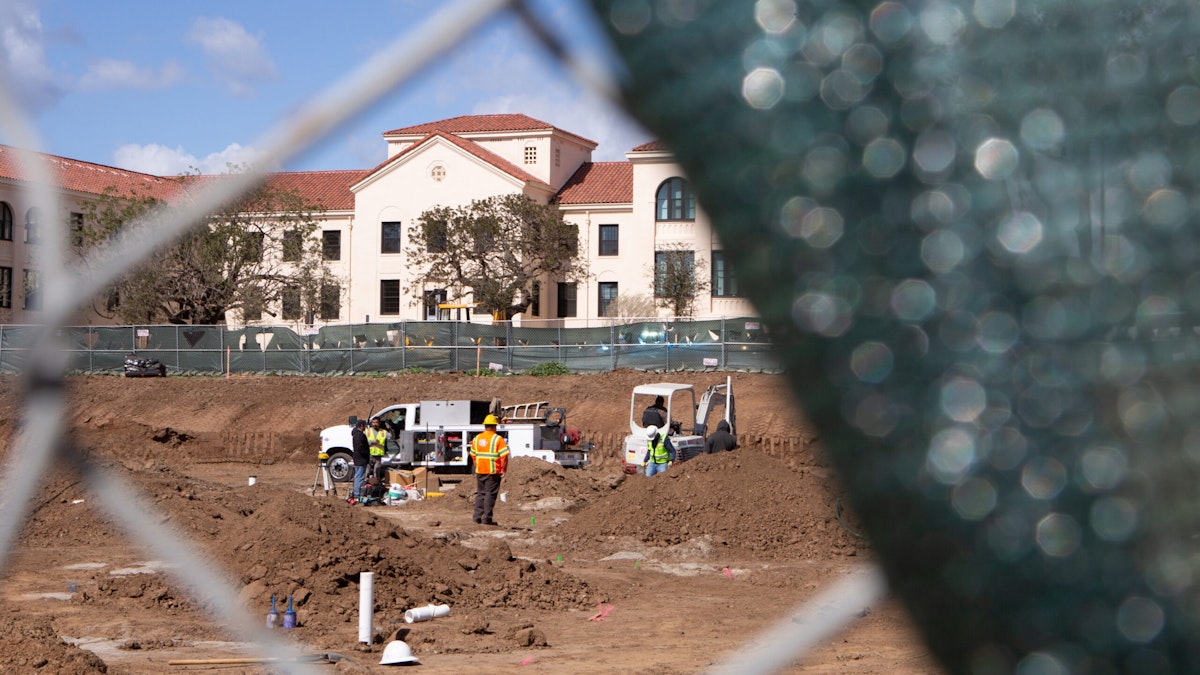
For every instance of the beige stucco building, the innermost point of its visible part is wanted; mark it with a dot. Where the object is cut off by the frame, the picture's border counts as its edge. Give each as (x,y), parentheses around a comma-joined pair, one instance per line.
(626,213)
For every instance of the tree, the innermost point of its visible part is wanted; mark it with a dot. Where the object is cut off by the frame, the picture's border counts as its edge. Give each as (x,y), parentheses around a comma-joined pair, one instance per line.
(635,306)
(678,279)
(252,255)
(493,250)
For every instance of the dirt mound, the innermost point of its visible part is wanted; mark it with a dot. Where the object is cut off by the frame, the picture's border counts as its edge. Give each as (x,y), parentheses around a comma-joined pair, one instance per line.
(31,645)
(743,501)
(275,541)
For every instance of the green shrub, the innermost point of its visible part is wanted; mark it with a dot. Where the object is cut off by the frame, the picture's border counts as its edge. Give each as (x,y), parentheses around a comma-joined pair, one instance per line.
(548,368)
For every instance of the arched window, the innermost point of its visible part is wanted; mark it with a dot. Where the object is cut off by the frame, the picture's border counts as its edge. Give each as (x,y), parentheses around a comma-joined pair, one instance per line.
(6,221)
(33,233)
(676,200)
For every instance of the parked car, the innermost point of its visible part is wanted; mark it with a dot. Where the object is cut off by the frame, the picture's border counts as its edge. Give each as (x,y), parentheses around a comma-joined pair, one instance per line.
(137,366)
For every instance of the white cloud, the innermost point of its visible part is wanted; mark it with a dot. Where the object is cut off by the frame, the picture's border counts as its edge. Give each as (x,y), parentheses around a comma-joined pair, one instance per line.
(107,74)
(163,161)
(237,58)
(37,86)
(509,77)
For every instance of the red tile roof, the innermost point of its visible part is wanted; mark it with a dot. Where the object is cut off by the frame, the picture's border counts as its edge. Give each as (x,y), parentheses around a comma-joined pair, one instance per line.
(329,190)
(471,147)
(86,177)
(652,146)
(599,183)
(470,124)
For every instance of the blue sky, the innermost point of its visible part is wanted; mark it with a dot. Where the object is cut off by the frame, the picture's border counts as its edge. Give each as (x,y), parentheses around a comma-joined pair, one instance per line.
(161,87)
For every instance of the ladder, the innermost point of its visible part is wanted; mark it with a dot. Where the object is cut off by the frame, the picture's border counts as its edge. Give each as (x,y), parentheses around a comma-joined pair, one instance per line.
(525,412)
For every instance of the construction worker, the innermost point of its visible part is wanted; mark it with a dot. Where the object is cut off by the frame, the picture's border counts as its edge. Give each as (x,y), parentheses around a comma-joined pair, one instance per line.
(362,458)
(659,451)
(489,452)
(655,414)
(377,440)
(721,439)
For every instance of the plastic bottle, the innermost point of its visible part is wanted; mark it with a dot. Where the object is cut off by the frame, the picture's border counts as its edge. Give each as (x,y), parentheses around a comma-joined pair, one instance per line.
(289,617)
(273,615)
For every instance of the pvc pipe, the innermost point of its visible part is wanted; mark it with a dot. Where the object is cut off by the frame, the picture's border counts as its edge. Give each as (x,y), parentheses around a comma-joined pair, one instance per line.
(366,606)
(425,613)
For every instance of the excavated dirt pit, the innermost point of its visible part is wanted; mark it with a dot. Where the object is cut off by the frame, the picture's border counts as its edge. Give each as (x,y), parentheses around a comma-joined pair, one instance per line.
(590,571)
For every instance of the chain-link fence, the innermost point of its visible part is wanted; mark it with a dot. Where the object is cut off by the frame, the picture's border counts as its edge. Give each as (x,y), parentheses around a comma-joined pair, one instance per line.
(721,344)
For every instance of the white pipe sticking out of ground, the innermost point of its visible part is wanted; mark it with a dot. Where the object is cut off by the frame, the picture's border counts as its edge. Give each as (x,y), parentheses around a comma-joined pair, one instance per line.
(366,605)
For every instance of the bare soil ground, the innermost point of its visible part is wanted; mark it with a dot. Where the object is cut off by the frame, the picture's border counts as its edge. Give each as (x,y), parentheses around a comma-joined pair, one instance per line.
(591,571)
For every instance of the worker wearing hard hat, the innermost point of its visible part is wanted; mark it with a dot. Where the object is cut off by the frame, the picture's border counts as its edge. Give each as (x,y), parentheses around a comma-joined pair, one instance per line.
(489,452)
(659,450)
(377,440)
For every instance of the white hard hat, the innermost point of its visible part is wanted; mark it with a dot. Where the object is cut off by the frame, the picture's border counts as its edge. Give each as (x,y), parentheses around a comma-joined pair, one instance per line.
(397,652)
(651,431)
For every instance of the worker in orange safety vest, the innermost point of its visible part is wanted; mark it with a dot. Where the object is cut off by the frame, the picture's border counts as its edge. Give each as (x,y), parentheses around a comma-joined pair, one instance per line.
(489,452)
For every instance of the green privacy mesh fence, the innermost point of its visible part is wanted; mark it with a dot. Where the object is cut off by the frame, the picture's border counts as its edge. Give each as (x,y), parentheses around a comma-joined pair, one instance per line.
(720,344)
(972,228)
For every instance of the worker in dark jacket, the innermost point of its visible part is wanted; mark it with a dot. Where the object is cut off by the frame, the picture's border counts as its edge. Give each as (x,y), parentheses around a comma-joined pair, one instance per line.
(720,439)
(361,453)
(655,414)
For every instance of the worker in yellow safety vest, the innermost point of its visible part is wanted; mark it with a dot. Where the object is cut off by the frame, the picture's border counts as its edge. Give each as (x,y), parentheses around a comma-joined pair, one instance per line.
(377,442)
(489,452)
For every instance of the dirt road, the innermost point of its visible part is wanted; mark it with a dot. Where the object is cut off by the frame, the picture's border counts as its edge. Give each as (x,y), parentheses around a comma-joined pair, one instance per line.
(590,571)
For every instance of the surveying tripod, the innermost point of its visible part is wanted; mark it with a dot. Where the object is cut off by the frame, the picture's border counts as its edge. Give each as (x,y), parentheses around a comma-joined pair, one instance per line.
(323,478)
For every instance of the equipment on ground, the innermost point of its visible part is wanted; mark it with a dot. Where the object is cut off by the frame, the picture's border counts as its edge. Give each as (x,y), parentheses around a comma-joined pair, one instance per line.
(437,435)
(137,366)
(324,478)
(679,398)
(397,652)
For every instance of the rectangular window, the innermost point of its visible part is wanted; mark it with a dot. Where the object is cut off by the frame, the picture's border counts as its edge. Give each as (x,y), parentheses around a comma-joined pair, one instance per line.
(724,283)
(390,237)
(389,296)
(566,299)
(6,287)
(6,222)
(535,305)
(573,238)
(76,229)
(290,301)
(531,154)
(254,247)
(672,268)
(557,156)
(33,226)
(609,240)
(608,299)
(33,289)
(331,244)
(253,305)
(293,246)
(436,240)
(331,302)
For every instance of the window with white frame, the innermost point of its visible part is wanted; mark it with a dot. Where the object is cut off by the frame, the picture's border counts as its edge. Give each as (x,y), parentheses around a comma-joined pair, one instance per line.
(609,240)
(389,296)
(6,287)
(6,222)
(33,227)
(607,305)
(566,300)
(33,289)
(724,282)
(390,237)
(531,154)
(675,200)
